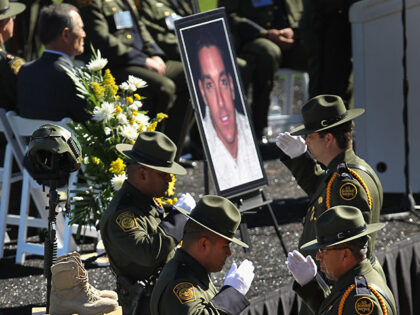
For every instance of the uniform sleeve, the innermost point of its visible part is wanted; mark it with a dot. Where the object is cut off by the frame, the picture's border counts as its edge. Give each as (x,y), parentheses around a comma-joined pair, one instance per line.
(173,224)
(184,297)
(141,240)
(306,171)
(114,44)
(311,294)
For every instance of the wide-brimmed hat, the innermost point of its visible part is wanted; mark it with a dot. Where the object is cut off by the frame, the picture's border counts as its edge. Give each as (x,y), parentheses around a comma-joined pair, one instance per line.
(155,150)
(9,9)
(218,215)
(340,224)
(324,112)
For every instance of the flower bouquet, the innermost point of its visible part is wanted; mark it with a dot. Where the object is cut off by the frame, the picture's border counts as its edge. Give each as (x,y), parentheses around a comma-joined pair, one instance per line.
(116,118)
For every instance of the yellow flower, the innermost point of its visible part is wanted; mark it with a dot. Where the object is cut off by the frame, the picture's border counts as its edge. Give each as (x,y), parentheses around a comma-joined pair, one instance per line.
(117,167)
(137,97)
(132,142)
(135,113)
(95,160)
(160,117)
(152,127)
(171,186)
(109,82)
(98,90)
(118,108)
(129,100)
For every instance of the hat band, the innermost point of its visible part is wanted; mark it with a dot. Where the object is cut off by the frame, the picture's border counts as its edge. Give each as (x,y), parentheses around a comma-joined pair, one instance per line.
(212,226)
(4,10)
(342,235)
(148,159)
(325,122)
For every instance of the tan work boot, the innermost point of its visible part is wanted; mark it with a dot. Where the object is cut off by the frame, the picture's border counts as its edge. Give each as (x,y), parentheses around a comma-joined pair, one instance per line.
(70,292)
(102,293)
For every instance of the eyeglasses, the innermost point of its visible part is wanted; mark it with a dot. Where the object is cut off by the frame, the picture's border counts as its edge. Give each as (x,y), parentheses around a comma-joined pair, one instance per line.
(326,249)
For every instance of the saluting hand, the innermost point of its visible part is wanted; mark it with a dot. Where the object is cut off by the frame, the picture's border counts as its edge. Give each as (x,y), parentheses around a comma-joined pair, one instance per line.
(240,278)
(293,146)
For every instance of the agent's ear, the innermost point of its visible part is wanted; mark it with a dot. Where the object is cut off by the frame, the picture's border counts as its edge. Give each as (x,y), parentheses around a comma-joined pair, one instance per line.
(142,173)
(203,95)
(232,88)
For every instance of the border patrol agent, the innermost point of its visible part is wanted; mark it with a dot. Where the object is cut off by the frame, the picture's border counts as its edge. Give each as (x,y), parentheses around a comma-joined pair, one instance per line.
(139,237)
(266,36)
(9,64)
(159,17)
(341,241)
(332,174)
(184,286)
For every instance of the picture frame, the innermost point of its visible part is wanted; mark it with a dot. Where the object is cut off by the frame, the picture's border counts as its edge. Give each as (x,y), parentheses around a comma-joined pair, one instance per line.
(219,103)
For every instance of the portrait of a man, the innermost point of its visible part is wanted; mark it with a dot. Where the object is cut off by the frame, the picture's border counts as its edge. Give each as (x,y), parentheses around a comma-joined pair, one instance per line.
(223,120)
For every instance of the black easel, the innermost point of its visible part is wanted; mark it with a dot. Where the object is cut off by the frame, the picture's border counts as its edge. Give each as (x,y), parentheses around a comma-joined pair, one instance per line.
(249,202)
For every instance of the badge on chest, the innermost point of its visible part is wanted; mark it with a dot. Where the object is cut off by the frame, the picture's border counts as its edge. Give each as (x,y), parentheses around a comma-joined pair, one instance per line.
(123,20)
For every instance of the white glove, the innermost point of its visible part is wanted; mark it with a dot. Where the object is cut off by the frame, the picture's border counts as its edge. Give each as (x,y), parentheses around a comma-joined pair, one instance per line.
(303,269)
(186,202)
(293,146)
(240,278)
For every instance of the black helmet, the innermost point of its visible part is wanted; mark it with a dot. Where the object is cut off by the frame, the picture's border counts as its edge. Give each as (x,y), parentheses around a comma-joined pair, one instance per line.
(53,153)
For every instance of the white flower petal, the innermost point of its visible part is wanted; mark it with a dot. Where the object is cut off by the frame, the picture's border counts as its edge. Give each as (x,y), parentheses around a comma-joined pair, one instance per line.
(117,181)
(97,64)
(137,82)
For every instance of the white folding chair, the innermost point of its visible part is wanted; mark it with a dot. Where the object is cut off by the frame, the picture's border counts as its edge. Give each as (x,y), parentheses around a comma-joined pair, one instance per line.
(23,128)
(7,178)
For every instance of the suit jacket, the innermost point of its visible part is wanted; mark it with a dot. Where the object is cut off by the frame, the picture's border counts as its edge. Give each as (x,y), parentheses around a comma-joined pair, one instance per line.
(45,91)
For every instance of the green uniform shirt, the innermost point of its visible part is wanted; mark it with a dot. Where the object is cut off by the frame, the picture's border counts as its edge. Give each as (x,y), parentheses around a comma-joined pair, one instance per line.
(116,42)
(156,15)
(136,236)
(185,287)
(327,188)
(359,301)
(9,69)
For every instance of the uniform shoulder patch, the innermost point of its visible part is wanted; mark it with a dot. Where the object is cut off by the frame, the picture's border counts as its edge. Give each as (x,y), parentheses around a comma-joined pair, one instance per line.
(364,306)
(185,292)
(126,221)
(348,191)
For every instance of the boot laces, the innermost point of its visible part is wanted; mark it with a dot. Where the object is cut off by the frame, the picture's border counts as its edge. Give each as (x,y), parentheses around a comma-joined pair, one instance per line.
(83,277)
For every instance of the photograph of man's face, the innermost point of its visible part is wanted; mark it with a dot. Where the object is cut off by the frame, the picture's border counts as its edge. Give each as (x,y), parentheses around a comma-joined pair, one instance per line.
(218,93)
(219,103)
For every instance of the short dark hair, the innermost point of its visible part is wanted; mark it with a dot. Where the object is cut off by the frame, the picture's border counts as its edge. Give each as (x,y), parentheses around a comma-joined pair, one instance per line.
(206,41)
(358,247)
(53,19)
(342,133)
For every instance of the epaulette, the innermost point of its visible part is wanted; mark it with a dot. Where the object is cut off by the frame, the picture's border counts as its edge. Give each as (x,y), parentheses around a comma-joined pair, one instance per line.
(343,171)
(361,285)
(14,63)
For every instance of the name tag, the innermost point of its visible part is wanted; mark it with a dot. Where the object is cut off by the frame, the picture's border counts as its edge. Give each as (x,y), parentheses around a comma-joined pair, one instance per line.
(123,20)
(261,3)
(171,19)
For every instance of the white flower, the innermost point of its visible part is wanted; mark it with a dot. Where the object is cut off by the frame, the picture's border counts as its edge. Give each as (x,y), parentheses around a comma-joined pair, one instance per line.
(107,131)
(103,113)
(138,104)
(122,119)
(129,132)
(97,64)
(137,82)
(77,198)
(117,181)
(128,87)
(133,107)
(142,119)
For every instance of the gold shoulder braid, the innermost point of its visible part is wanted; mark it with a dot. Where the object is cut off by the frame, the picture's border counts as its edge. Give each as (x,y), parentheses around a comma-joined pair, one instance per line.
(375,292)
(359,179)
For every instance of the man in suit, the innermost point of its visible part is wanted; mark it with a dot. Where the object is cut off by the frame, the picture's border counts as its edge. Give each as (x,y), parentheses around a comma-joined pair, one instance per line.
(45,91)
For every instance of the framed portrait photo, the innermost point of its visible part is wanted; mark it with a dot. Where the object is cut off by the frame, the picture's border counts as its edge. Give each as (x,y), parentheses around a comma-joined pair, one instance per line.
(219,103)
